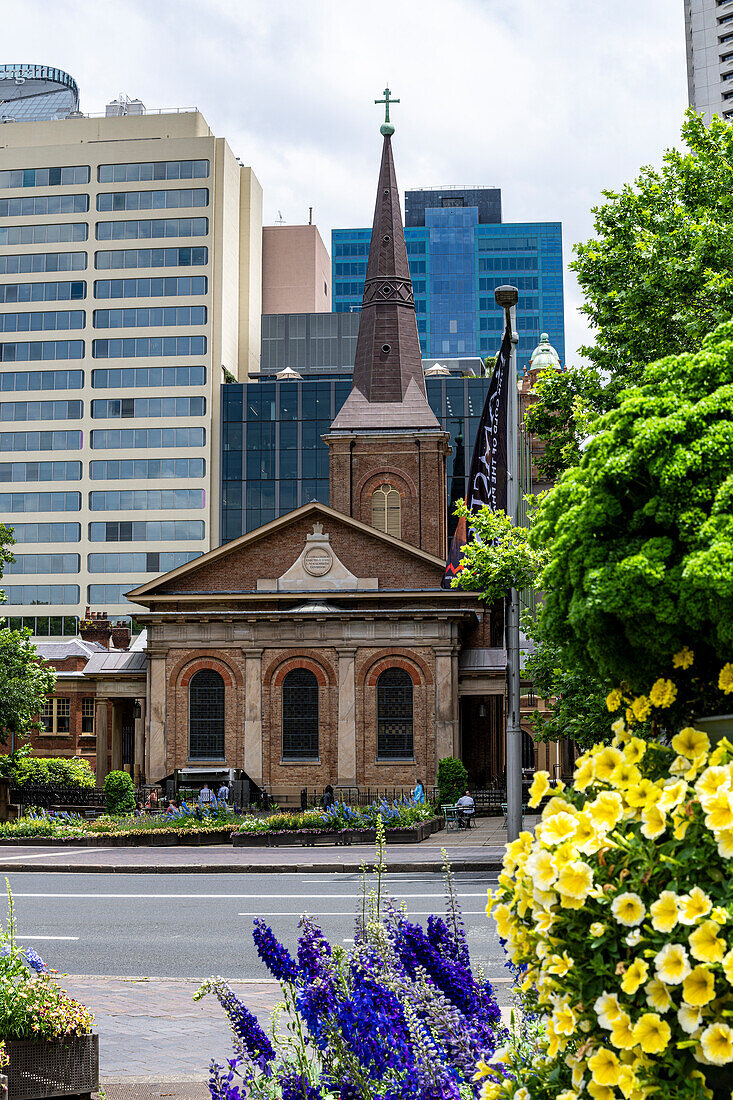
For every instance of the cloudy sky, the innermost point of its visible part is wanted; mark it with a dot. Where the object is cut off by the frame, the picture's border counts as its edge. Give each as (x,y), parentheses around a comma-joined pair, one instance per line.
(551,100)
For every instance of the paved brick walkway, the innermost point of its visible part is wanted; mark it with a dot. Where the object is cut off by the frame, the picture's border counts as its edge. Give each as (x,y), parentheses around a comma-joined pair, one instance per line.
(479,849)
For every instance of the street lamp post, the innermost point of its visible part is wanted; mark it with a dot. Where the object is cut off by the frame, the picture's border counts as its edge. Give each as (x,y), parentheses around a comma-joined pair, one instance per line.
(507,297)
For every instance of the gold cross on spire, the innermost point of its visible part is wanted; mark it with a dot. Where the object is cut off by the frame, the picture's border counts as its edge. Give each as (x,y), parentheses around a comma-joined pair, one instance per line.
(386,128)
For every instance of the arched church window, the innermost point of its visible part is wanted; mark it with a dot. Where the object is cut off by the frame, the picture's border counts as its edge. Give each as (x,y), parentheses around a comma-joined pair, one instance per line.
(395,739)
(387,510)
(300,715)
(206,716)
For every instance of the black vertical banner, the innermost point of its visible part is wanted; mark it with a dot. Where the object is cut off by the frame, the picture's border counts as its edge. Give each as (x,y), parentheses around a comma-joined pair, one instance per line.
(488,473)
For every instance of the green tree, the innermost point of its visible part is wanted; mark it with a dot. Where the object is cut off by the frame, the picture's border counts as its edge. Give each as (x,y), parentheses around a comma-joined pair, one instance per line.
(566,404)
(657,276)
(452,780)
(499,555)
(640,533)
(25,682)
(120,792)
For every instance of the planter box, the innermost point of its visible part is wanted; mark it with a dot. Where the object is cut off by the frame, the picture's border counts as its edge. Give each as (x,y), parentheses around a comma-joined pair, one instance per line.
(42,1068)
(278,840)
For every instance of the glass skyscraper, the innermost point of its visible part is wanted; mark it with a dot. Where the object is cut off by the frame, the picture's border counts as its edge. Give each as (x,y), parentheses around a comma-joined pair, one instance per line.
(459,251)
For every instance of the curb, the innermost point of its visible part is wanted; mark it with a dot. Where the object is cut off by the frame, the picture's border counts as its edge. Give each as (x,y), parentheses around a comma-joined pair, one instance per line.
(488,865)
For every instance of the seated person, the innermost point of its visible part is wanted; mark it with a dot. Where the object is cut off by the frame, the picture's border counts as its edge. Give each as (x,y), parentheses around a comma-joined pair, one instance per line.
(467,807)
(171,809)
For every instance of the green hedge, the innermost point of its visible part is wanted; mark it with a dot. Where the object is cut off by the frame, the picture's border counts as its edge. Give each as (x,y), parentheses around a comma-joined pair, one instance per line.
(50,771)
(452,780)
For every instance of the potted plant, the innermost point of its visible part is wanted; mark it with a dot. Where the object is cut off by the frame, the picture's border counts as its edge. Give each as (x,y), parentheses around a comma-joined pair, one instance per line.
(621,910)
(48,1041)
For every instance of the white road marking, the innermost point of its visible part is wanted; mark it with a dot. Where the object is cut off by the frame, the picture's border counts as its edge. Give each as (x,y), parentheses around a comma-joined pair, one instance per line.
(47,937)
(58,852)
(227,897)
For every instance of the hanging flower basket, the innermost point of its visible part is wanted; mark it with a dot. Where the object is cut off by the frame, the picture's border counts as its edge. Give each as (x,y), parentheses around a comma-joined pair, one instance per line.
(40,1068)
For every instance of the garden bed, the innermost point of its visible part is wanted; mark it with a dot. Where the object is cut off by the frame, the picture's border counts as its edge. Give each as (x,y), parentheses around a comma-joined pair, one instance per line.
(128,840)
(410,834)
(40,1068)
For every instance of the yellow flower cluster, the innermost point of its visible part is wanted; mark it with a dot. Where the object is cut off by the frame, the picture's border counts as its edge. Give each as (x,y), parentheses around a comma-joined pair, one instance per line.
(620,907)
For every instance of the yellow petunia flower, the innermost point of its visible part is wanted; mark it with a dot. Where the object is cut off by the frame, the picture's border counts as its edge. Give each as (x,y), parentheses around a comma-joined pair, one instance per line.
(607,1009)
(672,795)
(725,680)
(719,811)
(482,1070)
(710,782)
(604,1067)
(728,966)
(541,869)
(634,750)
(690,742)
(614,699)
(644,792)
(557,829)
(575,880)
(663,693)
(605,762)
(698,988)
(503,918)
(657,995)
(564,1019)
(705,944)
(689,1018)
(586,839)
(672,964)
(652,1033)
(694,906)
(622,1033)
(538,790)
(600,1092)
(724,840)
(683,659)
(664,912)
(717,1041)
(606,810)
(636,974)
(584,775)
(628,909)
(654,821)
(597,929)
(625,775)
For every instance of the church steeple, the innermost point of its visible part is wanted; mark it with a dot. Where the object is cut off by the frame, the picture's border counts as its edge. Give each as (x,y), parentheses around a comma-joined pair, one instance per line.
(388,390)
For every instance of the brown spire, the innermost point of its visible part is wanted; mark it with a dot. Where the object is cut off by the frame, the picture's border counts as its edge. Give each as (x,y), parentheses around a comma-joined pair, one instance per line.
(388,390)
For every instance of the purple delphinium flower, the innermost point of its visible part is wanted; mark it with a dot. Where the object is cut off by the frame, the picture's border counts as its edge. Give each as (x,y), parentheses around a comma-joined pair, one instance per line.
(312,947)
(296,1087)
(34,960)
(276,958)
(222,1085)
(246,1027)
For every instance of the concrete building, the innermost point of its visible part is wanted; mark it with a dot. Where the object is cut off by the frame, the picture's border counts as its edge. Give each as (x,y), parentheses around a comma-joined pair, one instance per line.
(130,283)
(296,270)
(709,44)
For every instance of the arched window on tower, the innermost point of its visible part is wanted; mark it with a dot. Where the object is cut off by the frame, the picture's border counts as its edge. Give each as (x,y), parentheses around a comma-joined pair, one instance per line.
(206,716)
(394,715)
(300,715)
(387,510)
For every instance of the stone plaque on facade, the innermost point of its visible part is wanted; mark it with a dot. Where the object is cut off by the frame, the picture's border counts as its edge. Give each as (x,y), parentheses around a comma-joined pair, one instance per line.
(318,562)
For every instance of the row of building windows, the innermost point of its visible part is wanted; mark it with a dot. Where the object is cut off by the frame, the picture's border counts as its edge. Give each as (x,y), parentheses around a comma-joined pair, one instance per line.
(115,348)
(112,439)
(186,256)
(300,716)
(57,716)
(151,530)
(46,532)
(45,177)
(150,316)
(140,561)
(47,320)
(508,264)
(153,170)
(46,626)
(56,233)
(40,410)
(127,377)
(42,593)
(32,263)
(145,500)
(40,441)
(57,470)
(125,469)
(109,407)
(169,287)
(11,293)
(37,205)
(150,228)
(40,502)
(43,563)
(153,200)
(21,380)
(108,594)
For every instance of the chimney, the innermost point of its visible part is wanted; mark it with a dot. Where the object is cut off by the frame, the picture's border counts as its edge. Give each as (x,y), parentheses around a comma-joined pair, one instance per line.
(96,627)
(121,635)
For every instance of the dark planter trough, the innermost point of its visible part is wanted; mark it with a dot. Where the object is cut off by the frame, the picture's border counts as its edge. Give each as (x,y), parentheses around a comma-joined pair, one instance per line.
(41,1068)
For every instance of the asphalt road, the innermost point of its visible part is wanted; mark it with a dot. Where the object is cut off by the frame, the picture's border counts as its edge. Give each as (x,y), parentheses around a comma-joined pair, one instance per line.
(189,926)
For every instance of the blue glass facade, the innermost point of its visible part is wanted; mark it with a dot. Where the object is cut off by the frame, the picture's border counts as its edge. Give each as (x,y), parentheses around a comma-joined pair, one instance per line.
(457,258)
(273,458)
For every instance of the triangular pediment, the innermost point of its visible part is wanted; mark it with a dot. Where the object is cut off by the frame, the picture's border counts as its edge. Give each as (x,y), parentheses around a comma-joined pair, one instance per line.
(275,558)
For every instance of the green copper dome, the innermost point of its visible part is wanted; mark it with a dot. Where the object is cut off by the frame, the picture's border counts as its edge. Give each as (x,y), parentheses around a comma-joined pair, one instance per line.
(544,356)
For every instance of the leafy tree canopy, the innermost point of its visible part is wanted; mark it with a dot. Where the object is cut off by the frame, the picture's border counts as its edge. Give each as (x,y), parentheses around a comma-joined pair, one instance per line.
(499,555)
(640,533)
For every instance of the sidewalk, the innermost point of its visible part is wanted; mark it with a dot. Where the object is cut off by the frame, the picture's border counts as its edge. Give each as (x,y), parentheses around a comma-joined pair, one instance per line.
(479,849)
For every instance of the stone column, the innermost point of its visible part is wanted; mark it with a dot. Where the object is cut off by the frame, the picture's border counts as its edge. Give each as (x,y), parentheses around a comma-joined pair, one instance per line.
(346,752)
(116,737)
(446,703)
(253,761)
(100,726)
(140,738)
(157,752)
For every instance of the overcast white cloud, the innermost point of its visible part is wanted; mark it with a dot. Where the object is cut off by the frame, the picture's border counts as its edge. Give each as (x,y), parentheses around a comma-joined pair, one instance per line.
(552,100)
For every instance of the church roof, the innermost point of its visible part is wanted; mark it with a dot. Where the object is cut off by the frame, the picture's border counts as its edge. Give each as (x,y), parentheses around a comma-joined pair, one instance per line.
(388,390)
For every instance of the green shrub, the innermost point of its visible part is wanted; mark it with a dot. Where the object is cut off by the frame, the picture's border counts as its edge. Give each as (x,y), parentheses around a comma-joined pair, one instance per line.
(50,771)
(452,780)
(120,791)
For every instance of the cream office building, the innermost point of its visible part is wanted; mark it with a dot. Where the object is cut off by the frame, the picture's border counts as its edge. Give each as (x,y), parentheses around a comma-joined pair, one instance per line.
(130,282)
